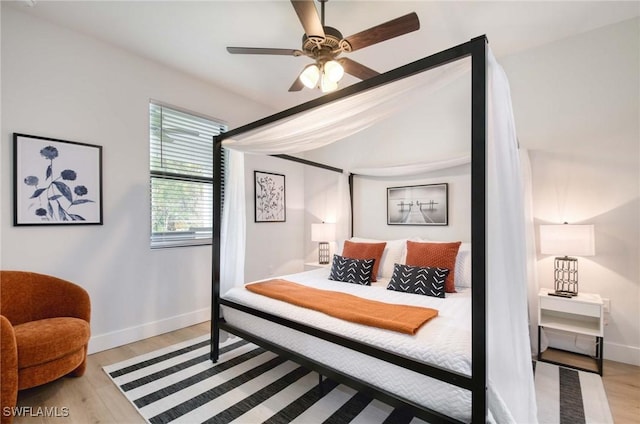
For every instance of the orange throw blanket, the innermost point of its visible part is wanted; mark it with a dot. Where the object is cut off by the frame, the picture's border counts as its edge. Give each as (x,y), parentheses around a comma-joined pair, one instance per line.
(402,318)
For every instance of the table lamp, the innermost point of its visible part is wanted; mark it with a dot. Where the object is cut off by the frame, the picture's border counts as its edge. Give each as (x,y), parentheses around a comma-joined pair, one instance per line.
(323,234)
(565,239)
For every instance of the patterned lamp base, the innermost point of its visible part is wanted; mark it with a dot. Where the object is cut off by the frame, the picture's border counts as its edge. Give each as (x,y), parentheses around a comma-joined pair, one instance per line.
(566,276)
(323,252)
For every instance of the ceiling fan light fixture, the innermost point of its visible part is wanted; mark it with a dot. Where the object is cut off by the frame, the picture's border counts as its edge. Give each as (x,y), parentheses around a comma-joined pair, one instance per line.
(333,71)
(326,85)
(310,76)
(323,44)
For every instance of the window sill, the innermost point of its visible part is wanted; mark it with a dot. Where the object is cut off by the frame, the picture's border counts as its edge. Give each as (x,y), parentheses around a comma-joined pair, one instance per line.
(180,243)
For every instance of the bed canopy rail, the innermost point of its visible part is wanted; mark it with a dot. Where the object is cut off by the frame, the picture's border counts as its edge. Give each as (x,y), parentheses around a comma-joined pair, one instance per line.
(310,163)
(476,50)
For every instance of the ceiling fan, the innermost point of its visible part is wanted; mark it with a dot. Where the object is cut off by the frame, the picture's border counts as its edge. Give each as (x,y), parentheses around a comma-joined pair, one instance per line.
(324,44)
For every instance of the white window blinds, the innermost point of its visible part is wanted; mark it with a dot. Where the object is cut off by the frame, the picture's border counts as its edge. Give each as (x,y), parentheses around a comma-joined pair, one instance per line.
(181,167)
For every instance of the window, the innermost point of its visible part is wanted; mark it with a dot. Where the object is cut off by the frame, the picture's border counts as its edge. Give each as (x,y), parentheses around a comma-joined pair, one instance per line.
(181,166)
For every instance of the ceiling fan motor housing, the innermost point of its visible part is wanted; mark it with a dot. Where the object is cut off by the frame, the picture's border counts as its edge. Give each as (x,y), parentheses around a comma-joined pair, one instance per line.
(332,43)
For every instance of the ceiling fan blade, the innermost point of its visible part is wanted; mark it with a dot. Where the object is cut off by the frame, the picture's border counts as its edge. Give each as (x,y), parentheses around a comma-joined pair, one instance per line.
(309,18)
(297,85)
(385,31)
(260,50)
(356,69)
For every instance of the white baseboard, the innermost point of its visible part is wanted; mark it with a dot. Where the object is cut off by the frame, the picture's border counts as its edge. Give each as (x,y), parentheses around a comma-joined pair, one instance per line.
(117,338)
(585,345)
(622,353)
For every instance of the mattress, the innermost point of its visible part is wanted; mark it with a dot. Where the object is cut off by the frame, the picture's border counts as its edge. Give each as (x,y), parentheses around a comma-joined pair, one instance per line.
(444,341)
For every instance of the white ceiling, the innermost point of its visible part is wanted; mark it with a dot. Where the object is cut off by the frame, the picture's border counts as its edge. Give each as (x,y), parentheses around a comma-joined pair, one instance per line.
(191,36)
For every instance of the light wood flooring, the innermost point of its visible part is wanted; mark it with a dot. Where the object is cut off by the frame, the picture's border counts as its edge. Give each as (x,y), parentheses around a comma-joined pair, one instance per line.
(93,398)
(621,383)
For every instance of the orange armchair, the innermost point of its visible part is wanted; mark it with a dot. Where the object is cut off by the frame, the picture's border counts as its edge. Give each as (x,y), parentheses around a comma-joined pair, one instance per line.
(45,331)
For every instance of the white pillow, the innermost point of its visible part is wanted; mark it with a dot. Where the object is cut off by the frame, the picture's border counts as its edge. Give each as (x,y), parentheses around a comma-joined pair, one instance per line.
(394,252)
(463,266)
(339,247)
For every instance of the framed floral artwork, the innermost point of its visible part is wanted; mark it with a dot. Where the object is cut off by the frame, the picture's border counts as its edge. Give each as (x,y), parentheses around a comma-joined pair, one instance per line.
(270,197)
(56,182)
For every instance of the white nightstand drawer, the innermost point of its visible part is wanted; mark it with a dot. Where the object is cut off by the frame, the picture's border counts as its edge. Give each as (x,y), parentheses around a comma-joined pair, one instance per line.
(570,306)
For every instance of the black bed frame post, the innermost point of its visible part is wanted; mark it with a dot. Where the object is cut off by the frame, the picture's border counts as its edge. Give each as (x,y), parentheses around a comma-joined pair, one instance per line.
(215,248)
(351,231)
(478,230)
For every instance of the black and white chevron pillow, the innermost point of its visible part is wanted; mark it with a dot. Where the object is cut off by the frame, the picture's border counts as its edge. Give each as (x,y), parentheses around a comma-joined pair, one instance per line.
(428,281)
(355,271)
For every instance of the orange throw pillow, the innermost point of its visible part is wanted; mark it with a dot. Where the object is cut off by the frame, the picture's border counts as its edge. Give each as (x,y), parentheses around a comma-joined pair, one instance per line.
(442,255)
(365,251)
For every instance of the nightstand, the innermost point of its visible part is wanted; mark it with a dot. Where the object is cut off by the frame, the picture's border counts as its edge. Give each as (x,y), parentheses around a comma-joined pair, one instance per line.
(581,314)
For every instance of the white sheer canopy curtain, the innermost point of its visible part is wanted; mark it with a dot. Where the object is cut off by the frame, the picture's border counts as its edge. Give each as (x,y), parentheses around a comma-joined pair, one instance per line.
(532,273)
(509,353)
(508,348)
(233,228)
(339,119)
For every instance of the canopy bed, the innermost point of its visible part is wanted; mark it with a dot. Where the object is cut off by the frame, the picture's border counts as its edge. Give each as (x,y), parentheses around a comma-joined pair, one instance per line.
(498,384)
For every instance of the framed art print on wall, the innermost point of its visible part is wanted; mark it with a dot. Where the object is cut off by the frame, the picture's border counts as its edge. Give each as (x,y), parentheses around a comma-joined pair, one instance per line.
(418,205)
(270,201)
(56,182)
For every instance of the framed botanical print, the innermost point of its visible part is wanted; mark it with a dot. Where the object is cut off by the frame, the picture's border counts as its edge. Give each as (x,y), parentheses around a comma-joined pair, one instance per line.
(270,197)
(56,182)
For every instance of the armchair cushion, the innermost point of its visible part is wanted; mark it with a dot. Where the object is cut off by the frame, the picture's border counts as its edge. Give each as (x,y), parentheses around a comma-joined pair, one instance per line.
(48,339)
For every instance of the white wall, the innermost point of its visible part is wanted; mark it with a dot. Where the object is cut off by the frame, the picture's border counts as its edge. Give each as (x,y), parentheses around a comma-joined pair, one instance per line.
(61,84)
(370,206)
(576,104)
(1,155)
(275,248)
(323,202)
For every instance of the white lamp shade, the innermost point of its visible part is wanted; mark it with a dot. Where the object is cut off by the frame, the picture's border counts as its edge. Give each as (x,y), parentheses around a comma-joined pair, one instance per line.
(309,77)
(333,70)
(326,85)
(567,240)
(323,232)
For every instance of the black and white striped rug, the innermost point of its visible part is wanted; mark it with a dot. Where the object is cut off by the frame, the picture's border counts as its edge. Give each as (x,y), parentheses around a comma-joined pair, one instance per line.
(179,384)
(568,396)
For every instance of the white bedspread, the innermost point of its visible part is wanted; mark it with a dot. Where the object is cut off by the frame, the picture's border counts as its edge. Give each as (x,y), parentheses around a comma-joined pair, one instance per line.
(444,341)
